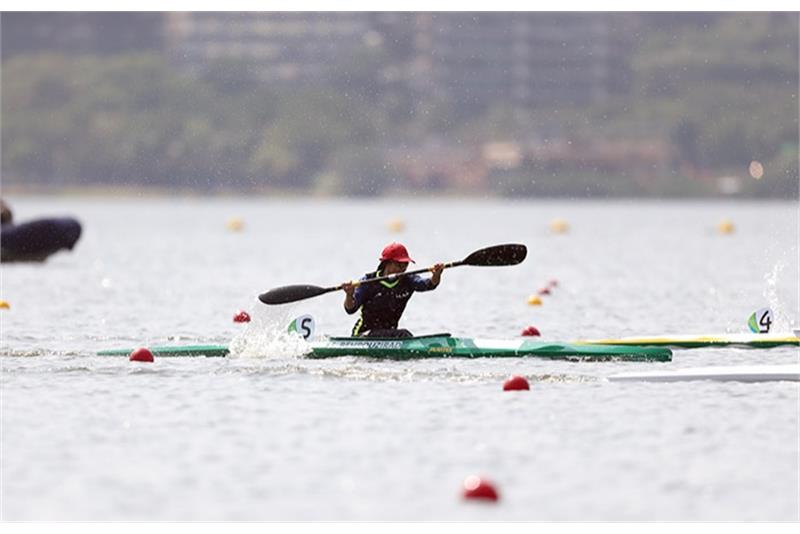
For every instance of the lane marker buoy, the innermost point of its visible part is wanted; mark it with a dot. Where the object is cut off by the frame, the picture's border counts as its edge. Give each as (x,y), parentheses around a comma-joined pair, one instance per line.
(530,331)
(516,383)
(141,355)
(535,300)
(726,227)
(396,225)
(241,317)
(235,224)
(559,226)
(476,488)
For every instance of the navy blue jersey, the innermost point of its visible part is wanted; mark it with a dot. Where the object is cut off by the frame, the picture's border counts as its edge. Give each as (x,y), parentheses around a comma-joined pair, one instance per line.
(382,303)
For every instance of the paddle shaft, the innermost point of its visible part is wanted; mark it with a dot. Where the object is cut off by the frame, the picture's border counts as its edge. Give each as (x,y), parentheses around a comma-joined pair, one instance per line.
(499,255)
(392,277)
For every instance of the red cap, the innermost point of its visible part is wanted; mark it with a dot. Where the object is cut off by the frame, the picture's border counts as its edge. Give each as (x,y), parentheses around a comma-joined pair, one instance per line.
(396,252)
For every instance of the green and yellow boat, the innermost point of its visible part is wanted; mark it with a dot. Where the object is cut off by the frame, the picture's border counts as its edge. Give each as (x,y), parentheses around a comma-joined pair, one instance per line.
(438,346)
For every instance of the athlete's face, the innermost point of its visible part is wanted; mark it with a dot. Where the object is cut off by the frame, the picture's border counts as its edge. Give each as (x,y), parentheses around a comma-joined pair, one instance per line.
(394,267)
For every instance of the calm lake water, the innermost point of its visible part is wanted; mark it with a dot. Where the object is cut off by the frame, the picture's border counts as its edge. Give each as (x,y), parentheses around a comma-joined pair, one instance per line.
(269,435)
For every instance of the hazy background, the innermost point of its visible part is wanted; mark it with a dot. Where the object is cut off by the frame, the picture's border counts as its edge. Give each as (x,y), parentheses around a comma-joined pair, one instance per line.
(487,104)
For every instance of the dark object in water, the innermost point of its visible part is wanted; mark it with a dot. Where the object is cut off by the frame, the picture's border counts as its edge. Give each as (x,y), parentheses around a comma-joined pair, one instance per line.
(37,240)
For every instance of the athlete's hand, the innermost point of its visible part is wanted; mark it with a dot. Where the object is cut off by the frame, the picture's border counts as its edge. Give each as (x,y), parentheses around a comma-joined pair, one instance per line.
(349,288)
(437,273)
(349,296)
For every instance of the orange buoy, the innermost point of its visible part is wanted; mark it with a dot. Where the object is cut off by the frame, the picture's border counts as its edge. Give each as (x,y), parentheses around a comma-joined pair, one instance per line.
(535,300)
(516,383)
(141,355)
(476,488)
(241,317)
(726,227)
(559,226)
(235,224)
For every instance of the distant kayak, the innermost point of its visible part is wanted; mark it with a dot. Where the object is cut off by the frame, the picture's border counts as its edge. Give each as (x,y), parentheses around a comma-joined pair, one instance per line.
(37,240)
(740,373)
(759,341)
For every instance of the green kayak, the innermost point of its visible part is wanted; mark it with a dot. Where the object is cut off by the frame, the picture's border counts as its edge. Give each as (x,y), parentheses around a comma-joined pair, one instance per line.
(439,346)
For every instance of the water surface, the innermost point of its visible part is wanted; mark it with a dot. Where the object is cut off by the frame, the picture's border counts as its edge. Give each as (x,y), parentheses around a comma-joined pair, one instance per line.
(269,435)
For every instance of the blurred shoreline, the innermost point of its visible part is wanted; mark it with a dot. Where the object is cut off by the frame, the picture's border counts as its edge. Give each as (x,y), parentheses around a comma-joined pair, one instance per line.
(17,191)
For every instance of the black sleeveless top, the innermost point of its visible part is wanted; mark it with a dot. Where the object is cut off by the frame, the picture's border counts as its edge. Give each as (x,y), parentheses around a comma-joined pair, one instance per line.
(382,303)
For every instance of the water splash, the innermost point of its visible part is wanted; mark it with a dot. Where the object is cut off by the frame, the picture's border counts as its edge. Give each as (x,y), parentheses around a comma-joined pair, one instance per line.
(771,295)
(266,336)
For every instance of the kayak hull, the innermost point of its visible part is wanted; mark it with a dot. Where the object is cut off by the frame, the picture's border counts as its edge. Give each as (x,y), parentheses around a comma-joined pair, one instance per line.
(439,346)
(741,373)
(454,347)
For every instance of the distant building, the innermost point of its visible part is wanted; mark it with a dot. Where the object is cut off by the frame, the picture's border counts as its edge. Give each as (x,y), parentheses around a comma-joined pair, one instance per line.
(79,32)
(277,47)
(472,59)
(528,59)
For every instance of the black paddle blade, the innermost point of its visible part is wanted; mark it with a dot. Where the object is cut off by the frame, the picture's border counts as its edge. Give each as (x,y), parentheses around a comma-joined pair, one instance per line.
(497,255)
(286,294)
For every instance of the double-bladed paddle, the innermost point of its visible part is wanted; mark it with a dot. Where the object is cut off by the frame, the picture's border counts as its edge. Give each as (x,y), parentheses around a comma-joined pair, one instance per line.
(496,256)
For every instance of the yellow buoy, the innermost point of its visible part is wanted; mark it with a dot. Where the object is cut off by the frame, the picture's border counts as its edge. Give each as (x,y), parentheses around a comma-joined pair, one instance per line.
(559,226)
(5,305)
(726,226)
(235,224)
(396,225)
(535,300)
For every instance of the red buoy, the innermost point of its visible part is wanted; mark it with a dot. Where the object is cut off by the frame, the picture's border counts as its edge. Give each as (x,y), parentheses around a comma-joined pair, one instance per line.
(553,283)
(477,488)
(544,291)
(530,331)
(241,317)
(516,383)
(141,355)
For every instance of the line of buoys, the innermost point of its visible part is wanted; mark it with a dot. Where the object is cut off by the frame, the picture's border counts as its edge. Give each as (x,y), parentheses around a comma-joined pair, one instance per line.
(241,316)
(478,488)
(536,299)
(725,226)
(141,355)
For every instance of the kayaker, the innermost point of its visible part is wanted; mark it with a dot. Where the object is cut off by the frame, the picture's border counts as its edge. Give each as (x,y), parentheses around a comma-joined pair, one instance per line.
(382,303)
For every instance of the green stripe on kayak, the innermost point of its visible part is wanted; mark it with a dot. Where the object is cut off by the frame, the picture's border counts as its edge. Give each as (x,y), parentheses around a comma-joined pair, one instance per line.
(439,346)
